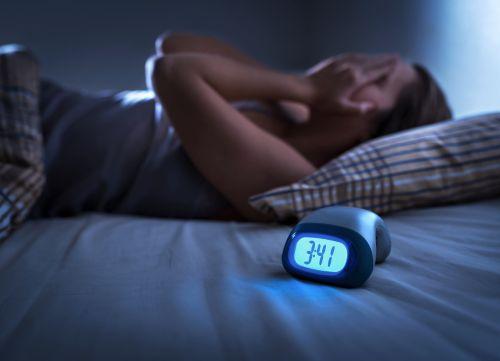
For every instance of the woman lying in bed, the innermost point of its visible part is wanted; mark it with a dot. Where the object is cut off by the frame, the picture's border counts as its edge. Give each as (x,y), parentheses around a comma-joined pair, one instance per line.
(292,125)
(242,154)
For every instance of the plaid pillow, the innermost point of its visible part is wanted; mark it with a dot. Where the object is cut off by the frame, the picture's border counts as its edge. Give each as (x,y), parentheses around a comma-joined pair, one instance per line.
(21,147)
(452,161)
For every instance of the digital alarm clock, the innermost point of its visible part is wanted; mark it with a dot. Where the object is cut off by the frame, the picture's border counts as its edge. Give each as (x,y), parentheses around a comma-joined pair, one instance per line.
(337,245)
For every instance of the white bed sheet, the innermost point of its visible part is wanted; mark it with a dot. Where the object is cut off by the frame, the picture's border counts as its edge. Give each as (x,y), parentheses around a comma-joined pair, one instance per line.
(109,287)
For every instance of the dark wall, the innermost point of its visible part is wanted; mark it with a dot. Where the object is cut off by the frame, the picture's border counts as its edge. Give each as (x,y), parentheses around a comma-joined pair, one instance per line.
(368,26)
(98,44)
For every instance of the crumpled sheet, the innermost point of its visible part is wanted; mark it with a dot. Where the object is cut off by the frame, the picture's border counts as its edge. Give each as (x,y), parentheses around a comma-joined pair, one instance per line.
(100,287)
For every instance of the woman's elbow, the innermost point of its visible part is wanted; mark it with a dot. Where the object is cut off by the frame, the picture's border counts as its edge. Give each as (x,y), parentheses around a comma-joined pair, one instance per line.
(164,65)
(158,70)
(171,42)
(161,42)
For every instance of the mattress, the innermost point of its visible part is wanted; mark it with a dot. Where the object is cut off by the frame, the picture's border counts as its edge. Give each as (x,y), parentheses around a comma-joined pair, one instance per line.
(108,287)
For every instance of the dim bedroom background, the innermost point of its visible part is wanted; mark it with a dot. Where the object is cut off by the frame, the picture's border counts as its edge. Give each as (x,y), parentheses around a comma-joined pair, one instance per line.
(102,287)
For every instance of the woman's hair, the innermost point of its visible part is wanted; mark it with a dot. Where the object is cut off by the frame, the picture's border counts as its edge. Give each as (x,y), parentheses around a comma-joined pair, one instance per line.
(420,103)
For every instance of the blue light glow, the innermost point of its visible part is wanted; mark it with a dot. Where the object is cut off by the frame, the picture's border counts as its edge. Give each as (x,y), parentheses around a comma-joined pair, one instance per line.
(321,254)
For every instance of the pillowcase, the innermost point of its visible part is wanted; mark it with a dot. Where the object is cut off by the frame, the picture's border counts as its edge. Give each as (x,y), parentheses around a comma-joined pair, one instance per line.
(447,162)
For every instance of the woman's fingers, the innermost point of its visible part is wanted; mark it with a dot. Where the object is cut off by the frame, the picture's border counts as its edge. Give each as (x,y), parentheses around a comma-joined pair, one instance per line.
(356,108)
(357,74)
(376,73)
(349,107)
(365,60)
(380,63)
(337,78)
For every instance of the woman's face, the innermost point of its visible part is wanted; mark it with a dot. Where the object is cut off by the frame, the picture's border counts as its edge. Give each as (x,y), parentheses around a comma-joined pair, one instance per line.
(385,92)
(346,132)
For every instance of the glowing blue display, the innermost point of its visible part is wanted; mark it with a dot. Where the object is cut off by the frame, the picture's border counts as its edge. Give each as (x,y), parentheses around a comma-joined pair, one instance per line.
(320,254)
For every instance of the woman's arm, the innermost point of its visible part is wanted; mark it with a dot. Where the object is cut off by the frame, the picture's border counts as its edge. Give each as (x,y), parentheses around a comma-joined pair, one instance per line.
(174,43)
(171,43)
(236,156)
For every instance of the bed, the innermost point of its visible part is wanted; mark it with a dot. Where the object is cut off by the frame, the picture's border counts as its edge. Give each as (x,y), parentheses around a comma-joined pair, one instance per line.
(106,287)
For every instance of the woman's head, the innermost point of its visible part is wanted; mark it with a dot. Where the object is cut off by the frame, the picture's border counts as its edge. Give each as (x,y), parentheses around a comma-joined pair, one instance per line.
(408,97)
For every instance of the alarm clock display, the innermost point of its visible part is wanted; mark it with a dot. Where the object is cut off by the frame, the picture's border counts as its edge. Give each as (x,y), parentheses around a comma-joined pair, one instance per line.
(320,253)
(337,245)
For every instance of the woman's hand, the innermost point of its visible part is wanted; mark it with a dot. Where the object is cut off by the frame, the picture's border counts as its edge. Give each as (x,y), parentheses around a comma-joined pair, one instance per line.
(334,80)
(299,112)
